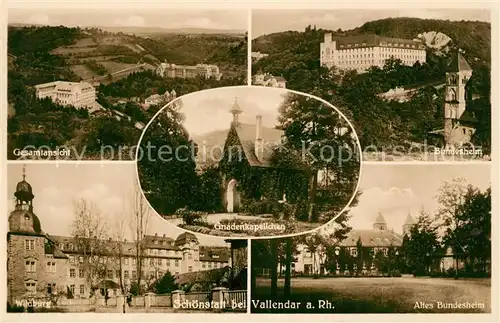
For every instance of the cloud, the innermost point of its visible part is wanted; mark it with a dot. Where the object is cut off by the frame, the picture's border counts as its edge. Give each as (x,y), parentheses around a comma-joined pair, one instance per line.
(38,20)
(394,203)
(131,21)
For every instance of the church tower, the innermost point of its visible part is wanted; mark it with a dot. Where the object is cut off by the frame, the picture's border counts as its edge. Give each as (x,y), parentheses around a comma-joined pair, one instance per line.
(380,223)
(236,110)
(407,226)
(457,75)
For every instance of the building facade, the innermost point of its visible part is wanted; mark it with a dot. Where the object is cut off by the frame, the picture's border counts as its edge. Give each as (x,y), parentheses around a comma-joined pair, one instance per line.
(207,71)
(40,265)
(77,94)
(266,79)
(362,52)
(156,99)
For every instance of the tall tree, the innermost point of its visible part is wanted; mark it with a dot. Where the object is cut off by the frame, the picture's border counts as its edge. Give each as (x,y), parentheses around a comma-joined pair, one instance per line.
(327,147)
(90,234)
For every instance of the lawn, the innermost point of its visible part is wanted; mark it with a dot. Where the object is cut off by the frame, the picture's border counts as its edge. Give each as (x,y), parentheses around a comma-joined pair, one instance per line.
(378,295)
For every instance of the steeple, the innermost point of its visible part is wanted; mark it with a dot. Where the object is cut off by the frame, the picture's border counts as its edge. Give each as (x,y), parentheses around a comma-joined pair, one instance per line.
(380,223)
(409,223)
(24,194)
(236,111)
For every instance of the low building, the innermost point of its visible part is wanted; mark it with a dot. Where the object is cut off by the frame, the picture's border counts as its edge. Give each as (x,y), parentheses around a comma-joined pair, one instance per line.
(364,51)
(77,94)
(266,79)
(189,71)
(40,265)
(256,56)
(157,99)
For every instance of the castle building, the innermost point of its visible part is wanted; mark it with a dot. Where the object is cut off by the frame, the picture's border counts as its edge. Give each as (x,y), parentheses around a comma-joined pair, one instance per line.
(364,51)
(77,94)
(207,71)
(40,265)
(459,124)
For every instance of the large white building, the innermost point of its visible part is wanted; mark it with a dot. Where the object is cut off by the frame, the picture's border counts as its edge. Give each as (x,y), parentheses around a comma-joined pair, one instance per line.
(362,52)
(189,71)
(77,94)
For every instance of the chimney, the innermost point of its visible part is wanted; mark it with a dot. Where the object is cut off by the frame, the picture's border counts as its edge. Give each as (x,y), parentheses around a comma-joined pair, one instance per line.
(259,149)
(164,235)
(124,240)
(156,234)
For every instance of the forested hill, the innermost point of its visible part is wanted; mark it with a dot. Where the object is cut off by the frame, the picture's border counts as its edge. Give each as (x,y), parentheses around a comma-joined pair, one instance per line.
(474,37)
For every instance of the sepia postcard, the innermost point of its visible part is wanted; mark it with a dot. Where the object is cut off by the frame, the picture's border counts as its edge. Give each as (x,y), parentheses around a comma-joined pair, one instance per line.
(250,161)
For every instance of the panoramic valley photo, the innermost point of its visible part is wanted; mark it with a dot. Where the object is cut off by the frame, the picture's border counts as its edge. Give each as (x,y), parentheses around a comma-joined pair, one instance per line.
(416,84)
(249,161)
(82,84)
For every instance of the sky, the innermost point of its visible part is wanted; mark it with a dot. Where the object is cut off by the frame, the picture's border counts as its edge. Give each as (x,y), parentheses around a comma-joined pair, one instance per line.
(267,22)
(208,111)
(108,186)
(396,190)
(165,18)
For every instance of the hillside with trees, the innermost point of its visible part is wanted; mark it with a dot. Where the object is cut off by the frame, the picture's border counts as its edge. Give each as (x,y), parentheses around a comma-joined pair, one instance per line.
(295,56)
(45,54)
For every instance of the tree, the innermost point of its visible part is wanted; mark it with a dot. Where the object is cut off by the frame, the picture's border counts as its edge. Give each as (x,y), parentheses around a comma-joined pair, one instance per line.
(90,234)
(139,228)
(167,170)
(451,198)
(328,149)
(422,245)
(473,230)
(166,284)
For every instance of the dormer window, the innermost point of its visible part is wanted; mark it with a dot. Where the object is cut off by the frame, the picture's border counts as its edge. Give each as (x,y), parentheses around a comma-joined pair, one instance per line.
(156,242)
(202,255)
(215,256)
(26,217)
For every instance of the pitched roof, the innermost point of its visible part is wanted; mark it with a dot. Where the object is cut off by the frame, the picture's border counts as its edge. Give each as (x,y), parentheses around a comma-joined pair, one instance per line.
(214,254)
(372,238)
(370,40)
(380,219)
(200,276)
(467,117)
(185,237)
(409,220)
(458,63)
(271,138)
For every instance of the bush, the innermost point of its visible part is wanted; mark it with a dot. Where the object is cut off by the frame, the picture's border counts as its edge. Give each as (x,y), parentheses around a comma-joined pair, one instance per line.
(190,217)
(14,308)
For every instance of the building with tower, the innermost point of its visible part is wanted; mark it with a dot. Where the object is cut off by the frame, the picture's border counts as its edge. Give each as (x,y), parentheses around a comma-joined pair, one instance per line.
(459,124)
(40,265)
(247,156)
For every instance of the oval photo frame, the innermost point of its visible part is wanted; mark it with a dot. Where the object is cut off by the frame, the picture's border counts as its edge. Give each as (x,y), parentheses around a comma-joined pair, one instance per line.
(219,162)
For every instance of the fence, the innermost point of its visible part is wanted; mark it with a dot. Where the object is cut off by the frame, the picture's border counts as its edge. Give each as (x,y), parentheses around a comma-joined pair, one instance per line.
(164,300)
(198,297)
(235,296)
(138,301)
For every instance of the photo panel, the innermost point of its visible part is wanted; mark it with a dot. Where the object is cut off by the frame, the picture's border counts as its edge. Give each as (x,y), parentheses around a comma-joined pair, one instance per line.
(84,82)
(415,83)
(82,238)
(417,240)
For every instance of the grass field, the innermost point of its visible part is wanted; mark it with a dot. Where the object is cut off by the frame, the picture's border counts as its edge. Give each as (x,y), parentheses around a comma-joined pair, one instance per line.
(379,295)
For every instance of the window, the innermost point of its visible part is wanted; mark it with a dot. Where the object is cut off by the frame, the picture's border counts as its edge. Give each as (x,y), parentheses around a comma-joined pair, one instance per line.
(210,265)
(160,262)
(81,273)
(354,252)
(51,288)
(190,256)
(190,269)
(156,242)
(72,289)
(168,262)
(117,274)
(72,273)
(26,217)
(125,261)
(133,261)
(110,274)
(215,256)
(31,288)
(177,263)
(134,274)
(51,266)
(80,259)
(29,244)
(125,274)
(203,265)
(30,266)
(385,251)
(82,289)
